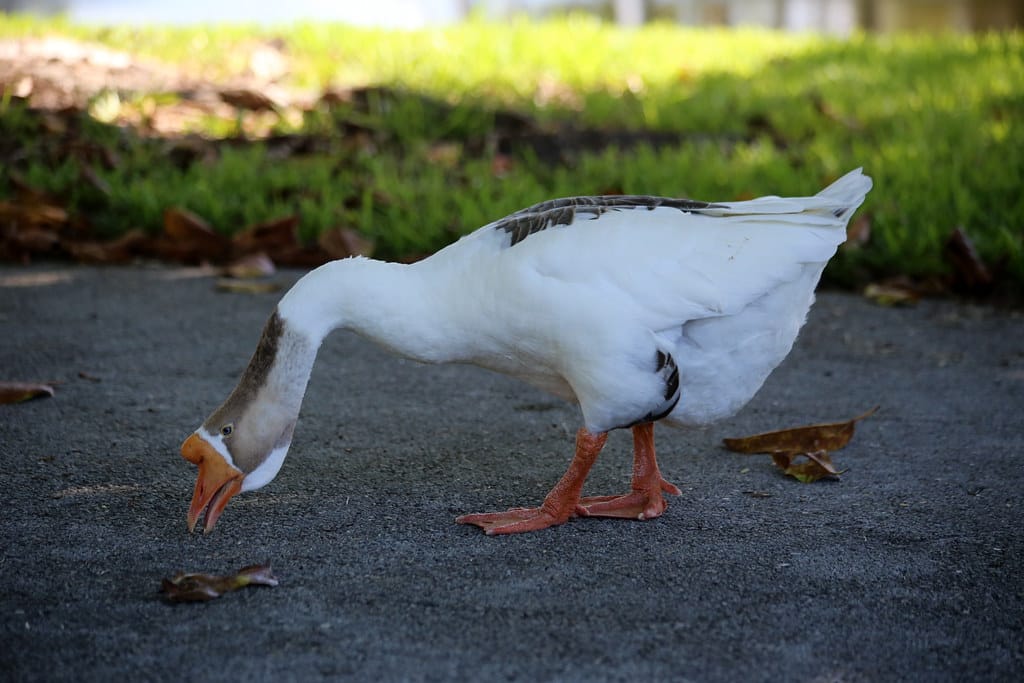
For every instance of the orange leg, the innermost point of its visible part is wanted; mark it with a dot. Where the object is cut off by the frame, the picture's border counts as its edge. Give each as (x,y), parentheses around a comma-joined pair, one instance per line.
(558,506)
(645,500)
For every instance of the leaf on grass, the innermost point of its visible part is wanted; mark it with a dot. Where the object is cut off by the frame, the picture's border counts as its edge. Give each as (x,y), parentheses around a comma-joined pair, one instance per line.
(269,236)
(344,242)
(192,232)
(121,250)
(829,436)
(970,272)
(34,212)
(246,98)
(34,240)
(858,232)
(184,587)
(817,465)
(16,392)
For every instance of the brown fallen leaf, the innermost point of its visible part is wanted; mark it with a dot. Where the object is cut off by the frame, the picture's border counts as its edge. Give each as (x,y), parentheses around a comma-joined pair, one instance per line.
(17,392)
(800,440)
(858,232)
(250,267)
(969,271)
(817,465)
(245,98)
(190,231)
(344,242)
(34,240)
(269,236)
(32,213)
(183,587)
(247,286)
(891,294)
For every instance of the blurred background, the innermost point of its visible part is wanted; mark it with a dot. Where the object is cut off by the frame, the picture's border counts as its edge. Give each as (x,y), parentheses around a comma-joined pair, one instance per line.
(832,16)
(300,131)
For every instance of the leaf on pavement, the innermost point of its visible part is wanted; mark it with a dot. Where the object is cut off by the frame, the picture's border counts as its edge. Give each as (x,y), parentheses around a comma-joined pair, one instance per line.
(184,587)
(802,452)
(892,294)
(247,286)
(829,436)
(16,392)
(250,267)
(817,465)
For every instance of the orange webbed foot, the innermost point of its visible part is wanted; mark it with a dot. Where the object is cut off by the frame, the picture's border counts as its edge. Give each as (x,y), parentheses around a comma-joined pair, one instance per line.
(645,500)
(637,504)
(560,503)
(514,521)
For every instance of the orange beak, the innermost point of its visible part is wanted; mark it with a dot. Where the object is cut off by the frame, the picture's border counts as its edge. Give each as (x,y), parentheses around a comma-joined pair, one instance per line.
(217,482)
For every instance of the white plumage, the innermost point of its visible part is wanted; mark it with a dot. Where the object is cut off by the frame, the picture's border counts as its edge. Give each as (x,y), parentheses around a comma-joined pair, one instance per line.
(637,308)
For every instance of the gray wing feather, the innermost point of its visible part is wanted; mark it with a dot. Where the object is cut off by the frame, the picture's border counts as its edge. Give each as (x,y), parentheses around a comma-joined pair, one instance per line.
(553,212)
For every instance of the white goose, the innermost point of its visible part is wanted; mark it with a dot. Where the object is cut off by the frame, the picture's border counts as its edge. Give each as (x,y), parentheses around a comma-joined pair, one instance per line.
(639,309)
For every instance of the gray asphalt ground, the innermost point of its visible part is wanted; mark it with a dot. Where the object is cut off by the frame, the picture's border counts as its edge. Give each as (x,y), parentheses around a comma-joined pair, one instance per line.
(909,568)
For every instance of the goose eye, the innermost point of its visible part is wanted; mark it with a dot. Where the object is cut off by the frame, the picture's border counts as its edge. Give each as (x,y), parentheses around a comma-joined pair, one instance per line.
(227,429)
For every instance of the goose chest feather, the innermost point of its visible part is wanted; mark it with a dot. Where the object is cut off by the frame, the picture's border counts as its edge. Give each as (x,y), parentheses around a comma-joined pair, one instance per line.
(638,309)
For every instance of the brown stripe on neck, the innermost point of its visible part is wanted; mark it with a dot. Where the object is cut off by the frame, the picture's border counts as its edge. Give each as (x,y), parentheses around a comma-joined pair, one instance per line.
(254,377)
(263,358)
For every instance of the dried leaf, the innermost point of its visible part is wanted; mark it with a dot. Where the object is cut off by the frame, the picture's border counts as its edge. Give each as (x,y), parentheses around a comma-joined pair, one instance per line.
(858,232)
(17,392)
(892,294)
(301,257)
(269,236)
(250,267)
(32,213)
(344,242)
(193,233)
(247,286)
(184,587)
(121,250)
(244,98)
(820,437)
(817,465)
(971,273)
(34,240)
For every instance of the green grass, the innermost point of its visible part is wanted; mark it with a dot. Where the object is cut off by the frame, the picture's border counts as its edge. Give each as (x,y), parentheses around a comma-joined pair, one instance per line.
(938,121)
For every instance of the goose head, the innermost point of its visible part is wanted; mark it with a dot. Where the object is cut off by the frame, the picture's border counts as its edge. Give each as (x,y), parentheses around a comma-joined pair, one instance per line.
(241,445)
(240,456)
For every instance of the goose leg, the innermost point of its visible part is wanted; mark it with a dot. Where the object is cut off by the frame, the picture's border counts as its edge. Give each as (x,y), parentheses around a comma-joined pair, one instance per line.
(645,500)
(558,506)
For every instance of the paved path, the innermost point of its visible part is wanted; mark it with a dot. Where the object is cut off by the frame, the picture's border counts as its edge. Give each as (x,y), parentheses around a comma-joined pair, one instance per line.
(907,569)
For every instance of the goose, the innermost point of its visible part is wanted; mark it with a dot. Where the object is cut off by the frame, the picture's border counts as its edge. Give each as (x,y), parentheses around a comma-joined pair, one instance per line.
(638,309)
